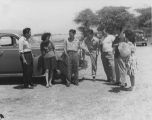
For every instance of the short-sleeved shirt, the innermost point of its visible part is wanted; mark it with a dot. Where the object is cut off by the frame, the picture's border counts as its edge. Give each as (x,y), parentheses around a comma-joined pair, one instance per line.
(92,45)
(116,42)
(24,45)
(107,43)
(48,48)
(72,45)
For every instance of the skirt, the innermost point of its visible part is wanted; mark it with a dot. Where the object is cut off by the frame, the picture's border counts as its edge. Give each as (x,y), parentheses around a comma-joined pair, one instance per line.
(50,63)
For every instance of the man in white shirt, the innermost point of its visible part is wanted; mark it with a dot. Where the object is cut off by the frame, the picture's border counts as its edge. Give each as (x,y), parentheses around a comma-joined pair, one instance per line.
(72,46)
(92,44)
(26,57)
(107,55)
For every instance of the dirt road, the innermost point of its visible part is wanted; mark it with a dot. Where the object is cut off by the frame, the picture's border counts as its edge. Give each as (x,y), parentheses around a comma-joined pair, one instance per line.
(89,101)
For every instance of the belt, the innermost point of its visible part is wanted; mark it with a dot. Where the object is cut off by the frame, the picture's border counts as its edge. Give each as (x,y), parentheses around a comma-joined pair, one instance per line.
(71,51)
(26,52)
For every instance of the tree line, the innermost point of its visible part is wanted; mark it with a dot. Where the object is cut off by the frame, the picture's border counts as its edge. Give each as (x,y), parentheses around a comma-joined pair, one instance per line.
(115,18)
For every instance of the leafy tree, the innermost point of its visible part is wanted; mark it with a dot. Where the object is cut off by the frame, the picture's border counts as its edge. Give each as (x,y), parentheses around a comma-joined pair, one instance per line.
(86,19)
(144,19)
(115,18)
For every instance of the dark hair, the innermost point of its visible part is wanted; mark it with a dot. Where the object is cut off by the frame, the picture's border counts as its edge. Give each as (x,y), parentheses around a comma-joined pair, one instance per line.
(45,35)
(26,30)
(130,35)
(109,29)
(1,116)
(73,31)
(90,31)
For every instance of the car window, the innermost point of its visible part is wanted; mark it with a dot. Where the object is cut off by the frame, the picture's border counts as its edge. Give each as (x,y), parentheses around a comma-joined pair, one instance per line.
(5,41)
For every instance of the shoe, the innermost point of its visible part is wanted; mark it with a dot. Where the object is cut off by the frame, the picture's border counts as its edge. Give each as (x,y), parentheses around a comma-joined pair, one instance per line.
(108,80)
(130,89)
(50,85)
(76,83)
(47,86)
(112,82)
(68,84)
(117,83)
(31,84)
(30,87)
(123,85)
(94,78)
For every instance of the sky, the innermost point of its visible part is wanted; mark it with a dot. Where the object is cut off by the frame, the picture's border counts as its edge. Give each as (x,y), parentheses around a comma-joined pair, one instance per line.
(55,16)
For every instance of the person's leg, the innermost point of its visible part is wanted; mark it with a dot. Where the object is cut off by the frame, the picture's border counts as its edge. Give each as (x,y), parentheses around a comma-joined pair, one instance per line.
(122,71)
(105,64)
(69,68)
(51,72)
(64,67)
(47,77)
(31,70)
(52,69)
(111,64)
(94,64)
(117,72)
(132,80)
(28,69)
(75,67)
(29,75)
(25,74)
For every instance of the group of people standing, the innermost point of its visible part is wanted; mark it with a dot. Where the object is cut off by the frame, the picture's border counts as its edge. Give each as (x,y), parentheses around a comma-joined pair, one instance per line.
(117,65)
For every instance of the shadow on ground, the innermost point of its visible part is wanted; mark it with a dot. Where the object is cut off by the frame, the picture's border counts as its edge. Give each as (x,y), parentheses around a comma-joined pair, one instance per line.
(118,89)
(89,79)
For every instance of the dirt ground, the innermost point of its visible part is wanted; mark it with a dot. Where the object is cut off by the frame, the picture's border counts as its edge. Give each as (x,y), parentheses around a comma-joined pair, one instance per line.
(88,101)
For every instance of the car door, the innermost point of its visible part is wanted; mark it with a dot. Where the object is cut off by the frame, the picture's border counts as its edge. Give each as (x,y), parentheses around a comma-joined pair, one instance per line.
(9,57)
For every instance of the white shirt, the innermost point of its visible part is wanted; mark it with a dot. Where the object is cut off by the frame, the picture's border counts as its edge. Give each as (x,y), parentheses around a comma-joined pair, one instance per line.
(73,45)
(107,43)
(24,45)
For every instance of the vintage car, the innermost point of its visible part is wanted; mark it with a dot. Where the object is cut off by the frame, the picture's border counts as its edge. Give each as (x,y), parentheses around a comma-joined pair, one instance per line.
(140,38)
(9,54)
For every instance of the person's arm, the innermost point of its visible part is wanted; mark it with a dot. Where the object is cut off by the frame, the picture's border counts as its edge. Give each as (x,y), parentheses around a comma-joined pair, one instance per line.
(42,49)
(54,50)
(21,50)
(98,47)
(113,38)
(84,46)
(65,47)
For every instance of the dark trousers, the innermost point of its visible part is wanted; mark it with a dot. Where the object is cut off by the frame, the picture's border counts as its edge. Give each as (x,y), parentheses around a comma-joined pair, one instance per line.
(117,70)
(27,68)
(109,65)
(73,64)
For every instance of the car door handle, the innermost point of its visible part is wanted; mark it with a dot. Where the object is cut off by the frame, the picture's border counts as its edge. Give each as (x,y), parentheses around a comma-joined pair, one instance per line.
(1,53)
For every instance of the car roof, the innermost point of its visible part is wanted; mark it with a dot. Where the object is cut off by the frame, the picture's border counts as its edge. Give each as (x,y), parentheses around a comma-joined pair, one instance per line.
(10,34)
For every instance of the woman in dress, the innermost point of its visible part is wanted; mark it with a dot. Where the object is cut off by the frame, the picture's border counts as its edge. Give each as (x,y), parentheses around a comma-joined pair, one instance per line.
(49,56)
(127,61)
